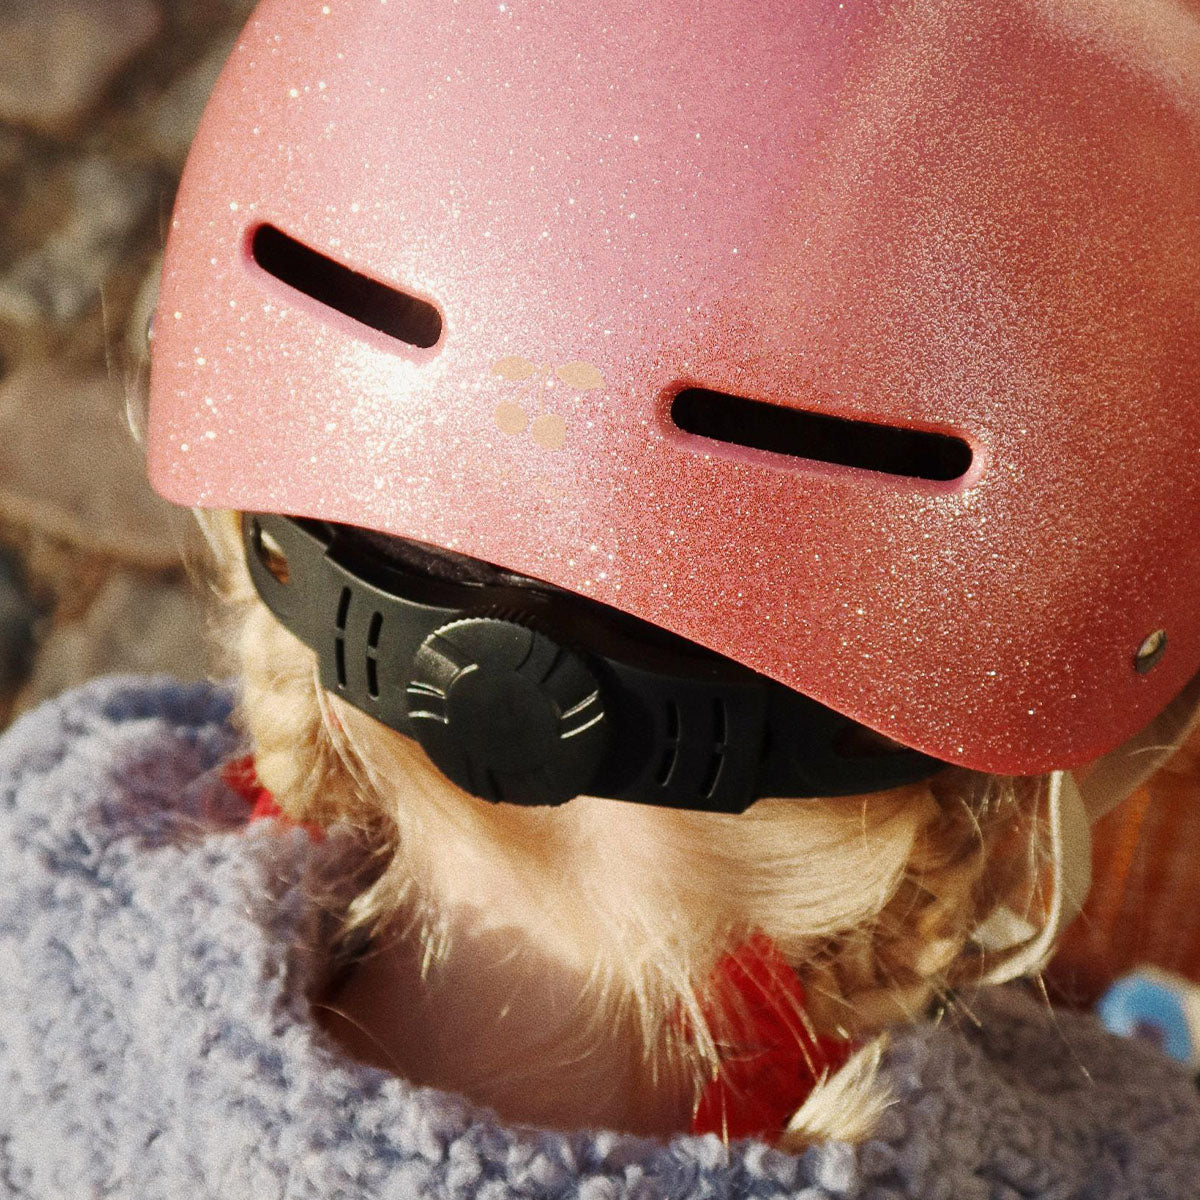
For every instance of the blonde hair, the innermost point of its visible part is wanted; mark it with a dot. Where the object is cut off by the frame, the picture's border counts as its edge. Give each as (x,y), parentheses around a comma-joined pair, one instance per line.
(873,900)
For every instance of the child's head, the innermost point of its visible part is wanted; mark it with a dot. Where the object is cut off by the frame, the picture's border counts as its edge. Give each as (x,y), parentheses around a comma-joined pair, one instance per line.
(855,347)
(883,903)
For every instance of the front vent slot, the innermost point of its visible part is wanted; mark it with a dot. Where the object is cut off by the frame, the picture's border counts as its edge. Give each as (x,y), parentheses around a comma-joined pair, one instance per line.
(819,437)
(387,309)
(343,611)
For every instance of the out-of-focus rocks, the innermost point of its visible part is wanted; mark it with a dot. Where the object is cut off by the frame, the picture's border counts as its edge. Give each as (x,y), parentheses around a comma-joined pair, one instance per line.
(11,148)
(62,579)
(58,57)
(98,101)
(171,123)
(18,616)
(136,623)
(69,468)
(65,275)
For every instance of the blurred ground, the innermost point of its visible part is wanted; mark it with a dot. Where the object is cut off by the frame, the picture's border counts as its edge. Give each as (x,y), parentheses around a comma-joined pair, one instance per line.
(98,102)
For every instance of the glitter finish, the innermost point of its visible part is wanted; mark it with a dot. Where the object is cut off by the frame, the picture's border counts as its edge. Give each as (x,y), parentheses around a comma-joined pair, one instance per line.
(976,218)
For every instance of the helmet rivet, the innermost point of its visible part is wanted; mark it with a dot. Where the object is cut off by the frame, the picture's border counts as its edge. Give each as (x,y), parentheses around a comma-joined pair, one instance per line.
(1150,652)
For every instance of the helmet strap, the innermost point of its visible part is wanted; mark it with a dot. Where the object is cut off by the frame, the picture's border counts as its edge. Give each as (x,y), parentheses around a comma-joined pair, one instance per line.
(524,693)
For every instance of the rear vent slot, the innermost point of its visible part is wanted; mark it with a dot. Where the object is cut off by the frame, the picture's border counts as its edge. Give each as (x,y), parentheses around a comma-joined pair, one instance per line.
(712,776)
(343,614)
(372,650)
(819,437)
(371,303)
(670,752)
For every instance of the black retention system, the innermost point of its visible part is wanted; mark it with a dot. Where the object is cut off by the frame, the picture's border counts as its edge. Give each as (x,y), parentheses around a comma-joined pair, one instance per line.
(523,693)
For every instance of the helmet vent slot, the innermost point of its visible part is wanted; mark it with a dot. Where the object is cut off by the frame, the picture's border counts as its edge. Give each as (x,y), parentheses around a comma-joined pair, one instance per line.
(367,301)
(820,437)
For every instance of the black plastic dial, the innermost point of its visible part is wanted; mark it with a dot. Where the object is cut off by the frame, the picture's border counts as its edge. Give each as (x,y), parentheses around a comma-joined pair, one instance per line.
(506,712)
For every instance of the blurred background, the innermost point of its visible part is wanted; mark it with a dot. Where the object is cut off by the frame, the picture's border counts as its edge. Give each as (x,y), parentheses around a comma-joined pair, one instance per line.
(98,103)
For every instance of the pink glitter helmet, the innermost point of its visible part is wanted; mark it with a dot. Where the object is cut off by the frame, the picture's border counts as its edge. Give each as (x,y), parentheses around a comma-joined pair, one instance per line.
(857,343)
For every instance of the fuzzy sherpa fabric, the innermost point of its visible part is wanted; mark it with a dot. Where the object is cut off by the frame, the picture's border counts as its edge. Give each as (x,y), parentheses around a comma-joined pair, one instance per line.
(155,1040)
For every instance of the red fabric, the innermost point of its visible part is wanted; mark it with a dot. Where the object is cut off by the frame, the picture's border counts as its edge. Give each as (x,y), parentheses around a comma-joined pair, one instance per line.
(770,1060)
(240,776)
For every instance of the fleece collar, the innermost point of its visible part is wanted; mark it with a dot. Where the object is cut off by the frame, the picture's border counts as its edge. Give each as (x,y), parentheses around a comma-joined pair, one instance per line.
(156,958)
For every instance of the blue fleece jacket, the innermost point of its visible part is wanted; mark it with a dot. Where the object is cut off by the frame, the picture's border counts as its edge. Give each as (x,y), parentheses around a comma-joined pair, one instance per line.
(156,1041)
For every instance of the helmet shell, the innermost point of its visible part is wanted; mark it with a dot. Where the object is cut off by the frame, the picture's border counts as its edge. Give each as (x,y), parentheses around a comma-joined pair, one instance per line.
(975,218)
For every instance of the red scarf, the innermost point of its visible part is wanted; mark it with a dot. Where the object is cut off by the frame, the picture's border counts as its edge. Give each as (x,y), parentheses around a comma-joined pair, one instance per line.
(770,1058)
(241,778)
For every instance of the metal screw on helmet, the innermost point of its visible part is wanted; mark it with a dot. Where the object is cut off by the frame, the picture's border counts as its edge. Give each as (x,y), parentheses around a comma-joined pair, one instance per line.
(1150,652)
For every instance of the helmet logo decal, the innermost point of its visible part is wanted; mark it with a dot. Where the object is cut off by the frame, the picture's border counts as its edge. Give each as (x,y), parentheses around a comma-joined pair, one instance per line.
(531,414)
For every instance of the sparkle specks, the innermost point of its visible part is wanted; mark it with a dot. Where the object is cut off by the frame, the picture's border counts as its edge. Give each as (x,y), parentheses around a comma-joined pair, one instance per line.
(629,260)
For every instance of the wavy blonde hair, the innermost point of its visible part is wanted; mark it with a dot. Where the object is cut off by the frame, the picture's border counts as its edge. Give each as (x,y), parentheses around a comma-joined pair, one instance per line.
(873,900)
